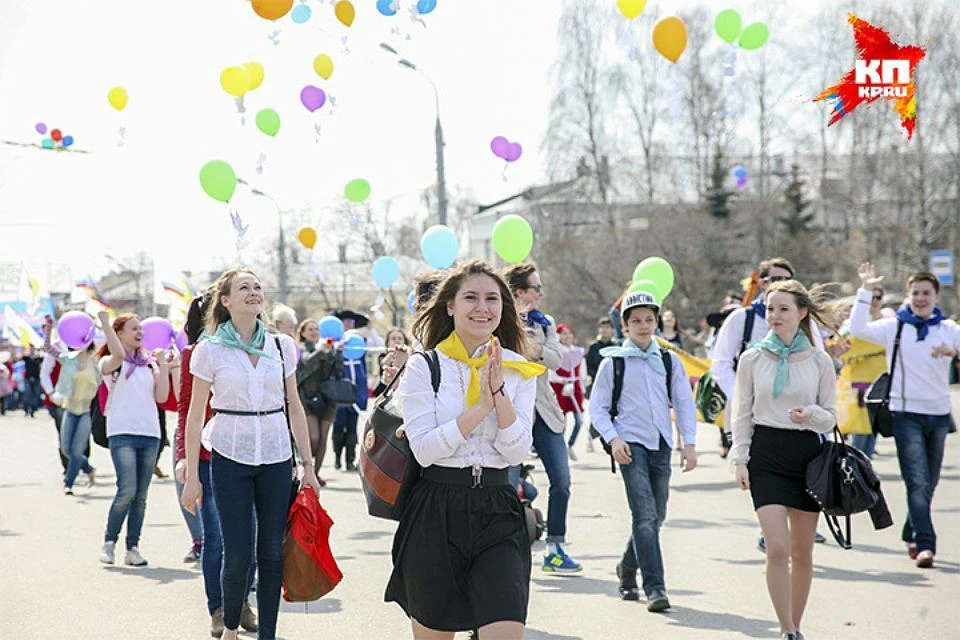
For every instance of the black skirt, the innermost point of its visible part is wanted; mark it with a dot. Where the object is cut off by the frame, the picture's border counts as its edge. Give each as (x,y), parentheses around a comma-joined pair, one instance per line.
(461,557)
(778,466)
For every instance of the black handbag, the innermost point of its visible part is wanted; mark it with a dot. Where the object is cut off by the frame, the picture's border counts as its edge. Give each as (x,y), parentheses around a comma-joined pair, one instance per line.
(877,399)
(342,393)
(842,482)
(533,521)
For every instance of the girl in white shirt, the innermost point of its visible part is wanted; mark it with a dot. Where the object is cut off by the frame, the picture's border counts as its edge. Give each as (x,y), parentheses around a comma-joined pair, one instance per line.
(919,393)
(461,555)
(252,376)
(783,399)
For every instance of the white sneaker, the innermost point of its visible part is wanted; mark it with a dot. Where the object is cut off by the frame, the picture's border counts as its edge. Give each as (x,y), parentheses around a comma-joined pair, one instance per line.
(590,446)
(133,558)
(107,552)
(572,454)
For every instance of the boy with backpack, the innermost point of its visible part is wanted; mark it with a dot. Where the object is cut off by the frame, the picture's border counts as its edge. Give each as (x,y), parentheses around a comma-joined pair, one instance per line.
(630,406)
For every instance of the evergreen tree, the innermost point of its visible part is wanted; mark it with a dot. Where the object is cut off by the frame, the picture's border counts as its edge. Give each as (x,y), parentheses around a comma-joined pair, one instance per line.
(718,196)
(796,221)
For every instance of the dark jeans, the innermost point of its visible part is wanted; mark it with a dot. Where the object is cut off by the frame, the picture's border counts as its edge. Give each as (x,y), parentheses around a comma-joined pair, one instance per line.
(74,442)
(552,450)
(647,481)
(134,458)
(238,489)
(577,423)
(345,434)
(32,395)
(920,440)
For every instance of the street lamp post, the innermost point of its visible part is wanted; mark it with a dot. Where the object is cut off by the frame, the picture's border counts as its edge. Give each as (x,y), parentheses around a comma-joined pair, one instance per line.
(281,242)
(437,134)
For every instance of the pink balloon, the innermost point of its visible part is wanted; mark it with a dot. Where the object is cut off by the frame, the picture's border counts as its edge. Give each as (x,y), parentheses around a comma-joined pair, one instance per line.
(158,333)
(312,97)
(41,128)
(514,151)
(500,146)
(76,329)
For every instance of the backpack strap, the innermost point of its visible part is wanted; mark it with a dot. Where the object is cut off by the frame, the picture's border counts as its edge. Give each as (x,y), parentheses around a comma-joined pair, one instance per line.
(747,333)
(668,367)
(433,361)
(283,383)
(618,368)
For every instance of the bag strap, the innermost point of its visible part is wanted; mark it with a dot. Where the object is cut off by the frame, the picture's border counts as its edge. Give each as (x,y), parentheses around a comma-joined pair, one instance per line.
(668,368)
(833,522)
(748,321)
(618,369)
(433,362)
(893,360)
(283,382)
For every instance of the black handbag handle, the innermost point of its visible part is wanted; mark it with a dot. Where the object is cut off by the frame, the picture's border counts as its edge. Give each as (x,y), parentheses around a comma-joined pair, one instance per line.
(893,360)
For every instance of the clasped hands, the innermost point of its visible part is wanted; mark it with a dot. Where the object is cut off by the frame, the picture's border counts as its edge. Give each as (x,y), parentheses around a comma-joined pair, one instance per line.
(491,374)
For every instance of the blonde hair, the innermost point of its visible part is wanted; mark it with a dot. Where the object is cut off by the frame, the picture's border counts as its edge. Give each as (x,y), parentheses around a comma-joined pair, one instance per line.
(811,300)
(217,313)
(283,312)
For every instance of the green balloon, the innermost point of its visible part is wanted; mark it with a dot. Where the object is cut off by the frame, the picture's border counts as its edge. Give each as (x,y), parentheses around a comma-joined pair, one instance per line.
(512,238)
(48,143)
(659,272)
(218,180)
(649,287)
(357,190)
(268,121)
(754,36)
(728,25)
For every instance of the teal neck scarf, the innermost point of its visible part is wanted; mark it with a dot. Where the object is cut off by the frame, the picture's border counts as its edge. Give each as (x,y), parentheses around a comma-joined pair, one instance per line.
(630,349)
(227,336)
(775,345)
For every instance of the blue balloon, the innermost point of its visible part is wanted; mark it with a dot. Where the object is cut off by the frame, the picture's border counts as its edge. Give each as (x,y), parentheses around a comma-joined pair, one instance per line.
(67,141)
(386,270)
(331,327)
(739,171)
(426,6)
(354,348)
(301,13)
(411,301)
(386,7)
(439,246)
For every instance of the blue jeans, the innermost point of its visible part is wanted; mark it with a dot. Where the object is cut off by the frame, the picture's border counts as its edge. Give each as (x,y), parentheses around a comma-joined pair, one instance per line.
(194,523)
(74,440)
(920,440)
(212,559)
(577,423)
(238,488)
(31,398)
(866,442)
(134,459)
(552,450)
(647,481)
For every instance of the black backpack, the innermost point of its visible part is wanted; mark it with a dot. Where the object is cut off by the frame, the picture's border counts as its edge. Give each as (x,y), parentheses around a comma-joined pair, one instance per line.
(619,365)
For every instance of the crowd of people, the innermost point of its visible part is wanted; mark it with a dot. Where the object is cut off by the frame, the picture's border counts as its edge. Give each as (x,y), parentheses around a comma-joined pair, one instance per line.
(258,399)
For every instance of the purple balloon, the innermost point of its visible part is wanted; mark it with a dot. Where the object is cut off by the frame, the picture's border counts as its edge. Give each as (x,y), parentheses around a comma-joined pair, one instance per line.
(514,151)
(181,340)
(500,146)
(312,97)
(158,333)
(76,329)
(41,128)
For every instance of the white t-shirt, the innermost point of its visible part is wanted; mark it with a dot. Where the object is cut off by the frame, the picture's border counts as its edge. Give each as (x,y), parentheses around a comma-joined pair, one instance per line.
(239,386)
(132,403)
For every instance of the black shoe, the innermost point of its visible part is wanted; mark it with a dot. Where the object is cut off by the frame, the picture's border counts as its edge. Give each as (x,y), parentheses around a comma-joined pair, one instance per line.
(628,585)
(657,602)
(336,464)
(351,466)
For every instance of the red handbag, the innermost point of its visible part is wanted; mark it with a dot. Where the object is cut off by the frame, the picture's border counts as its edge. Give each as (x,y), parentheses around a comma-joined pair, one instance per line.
(309,569)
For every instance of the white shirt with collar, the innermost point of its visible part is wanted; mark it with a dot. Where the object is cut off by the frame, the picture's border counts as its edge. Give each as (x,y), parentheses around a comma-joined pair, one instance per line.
(431,421)
(920,382)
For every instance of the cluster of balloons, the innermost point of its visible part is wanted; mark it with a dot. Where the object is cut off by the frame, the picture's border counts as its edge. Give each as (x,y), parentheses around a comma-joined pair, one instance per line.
(729,26)
(56,139)
(357,190)
(386,270)
(740,175)
(238,80)
(218,180)
(655,276)
(439,246)
(307,237)
(118,98)
(512,238)
(389,7)
(76,329)
(271,9)
(506,150)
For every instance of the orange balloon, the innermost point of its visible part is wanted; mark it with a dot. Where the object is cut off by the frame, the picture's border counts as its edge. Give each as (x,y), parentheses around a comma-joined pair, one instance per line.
(307,237)
(345,12)
(670,37)
(272,9)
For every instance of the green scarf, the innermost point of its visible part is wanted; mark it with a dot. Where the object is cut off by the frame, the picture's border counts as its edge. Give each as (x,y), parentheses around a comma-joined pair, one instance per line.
(227,336)
(775,345)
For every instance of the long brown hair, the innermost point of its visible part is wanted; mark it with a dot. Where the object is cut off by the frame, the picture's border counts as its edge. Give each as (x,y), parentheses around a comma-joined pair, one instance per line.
(433,323)
(217,313)
(118,323)
(811,300)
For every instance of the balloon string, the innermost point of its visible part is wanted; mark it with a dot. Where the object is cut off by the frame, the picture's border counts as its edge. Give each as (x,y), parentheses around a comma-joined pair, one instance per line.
(506,166)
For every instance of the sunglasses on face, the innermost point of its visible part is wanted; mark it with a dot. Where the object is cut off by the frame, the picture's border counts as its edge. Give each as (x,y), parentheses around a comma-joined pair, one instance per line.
(536,287)
(878,298)
(777,278)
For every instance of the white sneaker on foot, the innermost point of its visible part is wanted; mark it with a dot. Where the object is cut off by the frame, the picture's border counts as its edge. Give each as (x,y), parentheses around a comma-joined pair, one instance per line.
(133,558)
(107,552)
(571,454)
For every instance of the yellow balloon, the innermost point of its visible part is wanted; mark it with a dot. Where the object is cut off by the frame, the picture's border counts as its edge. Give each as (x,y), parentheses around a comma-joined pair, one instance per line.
(345,12)
(631,8)
(307,237)
(118,98)
(235,81)
(255,71)
(670,37)
(272,9)
(323,65)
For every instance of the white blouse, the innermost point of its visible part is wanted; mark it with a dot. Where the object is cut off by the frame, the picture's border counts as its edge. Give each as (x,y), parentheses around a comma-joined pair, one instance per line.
(431,422)
(132,404)
(812,383)
(240,386)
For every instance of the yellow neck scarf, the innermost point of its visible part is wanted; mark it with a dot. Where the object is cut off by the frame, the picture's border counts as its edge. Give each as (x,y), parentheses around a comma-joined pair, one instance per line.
(453,347)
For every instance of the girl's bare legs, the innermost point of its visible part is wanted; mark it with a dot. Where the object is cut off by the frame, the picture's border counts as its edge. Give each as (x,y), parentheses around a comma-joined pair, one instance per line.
(774,524)
(421,632)
(505,630)
(803,529)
